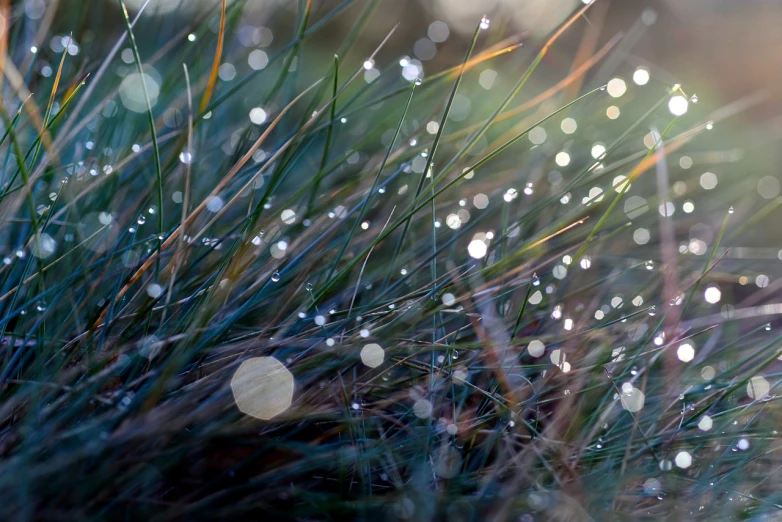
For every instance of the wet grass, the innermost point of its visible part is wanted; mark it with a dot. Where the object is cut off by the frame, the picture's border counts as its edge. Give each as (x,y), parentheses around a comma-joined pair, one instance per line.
(532,311)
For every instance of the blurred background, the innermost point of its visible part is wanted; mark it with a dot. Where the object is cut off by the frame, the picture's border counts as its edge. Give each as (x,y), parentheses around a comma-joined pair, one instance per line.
(720,46)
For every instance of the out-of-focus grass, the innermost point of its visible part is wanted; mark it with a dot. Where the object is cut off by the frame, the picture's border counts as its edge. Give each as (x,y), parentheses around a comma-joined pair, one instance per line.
(552,346)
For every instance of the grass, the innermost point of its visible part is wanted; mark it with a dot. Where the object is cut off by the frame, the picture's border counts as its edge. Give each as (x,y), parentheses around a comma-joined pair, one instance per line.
(552,346)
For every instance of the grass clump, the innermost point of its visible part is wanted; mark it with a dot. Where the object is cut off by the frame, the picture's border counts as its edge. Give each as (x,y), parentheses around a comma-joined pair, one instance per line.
(249,280)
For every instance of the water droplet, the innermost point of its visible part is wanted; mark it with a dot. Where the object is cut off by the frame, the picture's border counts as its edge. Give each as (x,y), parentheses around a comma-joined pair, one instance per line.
(141,220)
(653,311)
(484,23)
(308,287)
(275,276)
(535,280)
(694,98)
(709,125)
(730,210)
(650,265)
(419,81)
(41,306)
(603,87)
(186,157)
(455,355)
(768,326)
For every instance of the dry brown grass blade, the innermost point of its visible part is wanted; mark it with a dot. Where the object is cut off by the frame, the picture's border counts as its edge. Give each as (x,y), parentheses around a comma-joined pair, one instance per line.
(57,78)
(675,144)
(75,85)
(570,79)
(536,101)
(500,48)
(587,46)
(565,27)
(210,87)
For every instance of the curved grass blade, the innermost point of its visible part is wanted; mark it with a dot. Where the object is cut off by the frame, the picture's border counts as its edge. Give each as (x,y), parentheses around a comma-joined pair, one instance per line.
(210,86)
(150,118)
